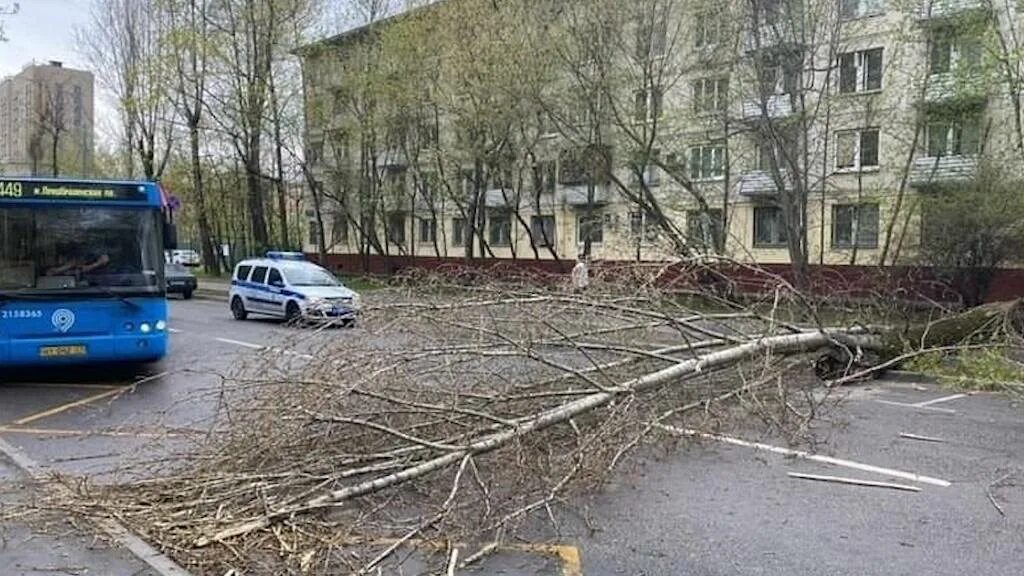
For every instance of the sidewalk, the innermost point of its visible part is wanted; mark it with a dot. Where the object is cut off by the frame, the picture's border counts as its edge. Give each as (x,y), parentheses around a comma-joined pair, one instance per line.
(215,289)
(48,543)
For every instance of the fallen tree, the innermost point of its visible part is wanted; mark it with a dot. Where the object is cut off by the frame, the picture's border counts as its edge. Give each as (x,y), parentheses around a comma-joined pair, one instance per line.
(468,409)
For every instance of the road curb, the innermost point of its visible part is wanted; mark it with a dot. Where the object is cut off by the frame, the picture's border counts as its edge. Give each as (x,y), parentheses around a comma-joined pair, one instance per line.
(150,556)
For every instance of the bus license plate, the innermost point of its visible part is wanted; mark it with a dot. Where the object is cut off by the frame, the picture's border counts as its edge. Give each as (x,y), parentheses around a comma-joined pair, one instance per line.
(75,351)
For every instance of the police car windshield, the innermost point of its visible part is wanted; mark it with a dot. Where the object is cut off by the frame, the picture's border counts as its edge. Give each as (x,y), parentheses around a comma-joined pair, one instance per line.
(308,275)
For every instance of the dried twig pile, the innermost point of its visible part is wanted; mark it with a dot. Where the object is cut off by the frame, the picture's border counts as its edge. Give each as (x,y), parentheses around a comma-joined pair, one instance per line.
(457,413)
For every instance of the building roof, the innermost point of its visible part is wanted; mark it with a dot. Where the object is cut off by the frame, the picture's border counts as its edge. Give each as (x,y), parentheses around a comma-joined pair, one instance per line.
(356,31)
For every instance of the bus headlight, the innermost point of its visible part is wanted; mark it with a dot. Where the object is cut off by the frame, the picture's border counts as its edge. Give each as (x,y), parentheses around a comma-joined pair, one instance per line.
(145,328)
(161,325)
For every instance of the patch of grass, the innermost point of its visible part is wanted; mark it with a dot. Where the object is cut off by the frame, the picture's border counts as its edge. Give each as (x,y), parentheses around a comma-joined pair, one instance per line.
(990,369)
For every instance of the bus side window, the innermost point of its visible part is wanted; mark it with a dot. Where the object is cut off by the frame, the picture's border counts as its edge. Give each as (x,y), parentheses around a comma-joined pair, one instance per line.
(259,275)
(243,273)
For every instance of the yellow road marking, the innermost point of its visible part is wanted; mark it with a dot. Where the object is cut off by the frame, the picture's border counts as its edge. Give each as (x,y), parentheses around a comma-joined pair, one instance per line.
(569,556)
(68,406)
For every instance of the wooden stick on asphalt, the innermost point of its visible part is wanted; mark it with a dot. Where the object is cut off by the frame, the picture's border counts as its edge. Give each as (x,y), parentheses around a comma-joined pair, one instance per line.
(854,481)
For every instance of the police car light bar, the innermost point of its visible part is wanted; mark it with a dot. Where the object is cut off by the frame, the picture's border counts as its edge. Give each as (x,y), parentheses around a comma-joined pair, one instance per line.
(296,256)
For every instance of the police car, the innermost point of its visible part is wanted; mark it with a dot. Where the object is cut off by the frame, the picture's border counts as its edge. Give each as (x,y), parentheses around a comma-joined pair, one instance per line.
(285,285)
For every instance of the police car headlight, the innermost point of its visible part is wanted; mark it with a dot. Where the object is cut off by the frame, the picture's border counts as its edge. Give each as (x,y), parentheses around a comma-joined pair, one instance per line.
(145,328)
(357,300)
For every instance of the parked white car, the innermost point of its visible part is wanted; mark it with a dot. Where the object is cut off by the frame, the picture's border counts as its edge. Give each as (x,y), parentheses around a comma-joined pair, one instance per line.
(183,257)
(285,285)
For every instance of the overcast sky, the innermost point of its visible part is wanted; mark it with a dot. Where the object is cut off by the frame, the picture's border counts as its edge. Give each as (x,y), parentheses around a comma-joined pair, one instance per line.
(43,30)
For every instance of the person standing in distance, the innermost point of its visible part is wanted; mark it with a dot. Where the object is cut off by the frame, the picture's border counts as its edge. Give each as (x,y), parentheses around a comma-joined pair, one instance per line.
(580,275)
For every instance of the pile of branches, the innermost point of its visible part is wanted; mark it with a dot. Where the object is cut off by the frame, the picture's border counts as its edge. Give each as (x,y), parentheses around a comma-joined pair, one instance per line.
(464,414)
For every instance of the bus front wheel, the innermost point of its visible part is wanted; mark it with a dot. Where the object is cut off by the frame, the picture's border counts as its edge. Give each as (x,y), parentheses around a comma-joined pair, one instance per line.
(238,309)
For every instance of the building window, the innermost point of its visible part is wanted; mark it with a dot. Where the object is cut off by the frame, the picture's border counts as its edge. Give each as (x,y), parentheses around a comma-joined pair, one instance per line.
(708,29)
(428,134)
(707,162)
(591,227)
(849,9)
(314,235)
(648,104)
(948,51)
(860,71)
(779,74)
(542,228)
(548,174)
(396,228)
(954,137)
(458,231)
(651,37)
(428,230)
(339,228)
(769,227)
(704,229)
(643,226)
(855,225)
(768,11)
(710,95)
(500,230)
(857,149)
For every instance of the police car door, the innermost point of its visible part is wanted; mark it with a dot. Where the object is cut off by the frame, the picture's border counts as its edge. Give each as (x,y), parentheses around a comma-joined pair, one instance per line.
(257,294)
(276,299)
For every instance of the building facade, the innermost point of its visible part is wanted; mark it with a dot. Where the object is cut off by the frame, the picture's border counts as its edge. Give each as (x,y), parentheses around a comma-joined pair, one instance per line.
(46,119)
(763,131)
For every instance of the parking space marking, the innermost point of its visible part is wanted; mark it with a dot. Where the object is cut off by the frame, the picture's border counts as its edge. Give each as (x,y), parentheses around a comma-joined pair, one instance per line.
(252,346)
(174,331)
(249,345)
(916,406)
(71,385)
(68,406)
(104,433)
(941,400)
(808,456)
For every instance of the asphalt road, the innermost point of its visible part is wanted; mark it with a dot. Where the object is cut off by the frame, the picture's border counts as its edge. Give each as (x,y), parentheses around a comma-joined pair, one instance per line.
(706,508)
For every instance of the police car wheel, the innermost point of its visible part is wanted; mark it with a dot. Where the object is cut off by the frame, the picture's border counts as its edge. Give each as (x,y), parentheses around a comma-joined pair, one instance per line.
(238,309)
(292,312)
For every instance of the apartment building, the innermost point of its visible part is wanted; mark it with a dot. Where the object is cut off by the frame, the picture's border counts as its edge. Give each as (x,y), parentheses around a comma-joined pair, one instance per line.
(46,121)
(755,130)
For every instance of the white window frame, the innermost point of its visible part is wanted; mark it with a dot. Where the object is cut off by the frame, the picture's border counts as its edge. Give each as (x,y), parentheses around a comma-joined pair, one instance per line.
(860,64)
(856,231)
(714,89)
(653,103)
(581,222)
(707,20)
(538,233)
(865,8)
(952,126)
(857,150)
(712,148)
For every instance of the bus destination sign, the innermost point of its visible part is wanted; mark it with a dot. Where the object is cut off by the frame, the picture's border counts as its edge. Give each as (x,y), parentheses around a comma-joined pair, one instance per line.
(71,191)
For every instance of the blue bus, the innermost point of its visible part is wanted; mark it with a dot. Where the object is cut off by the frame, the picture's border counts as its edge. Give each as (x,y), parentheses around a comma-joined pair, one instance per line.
(82,272)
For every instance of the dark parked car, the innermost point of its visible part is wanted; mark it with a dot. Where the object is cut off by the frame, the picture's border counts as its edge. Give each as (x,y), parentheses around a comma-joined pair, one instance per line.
(180,281)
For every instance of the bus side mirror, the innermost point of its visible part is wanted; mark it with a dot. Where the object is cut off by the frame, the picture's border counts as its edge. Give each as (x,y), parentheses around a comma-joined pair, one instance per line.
(170,236)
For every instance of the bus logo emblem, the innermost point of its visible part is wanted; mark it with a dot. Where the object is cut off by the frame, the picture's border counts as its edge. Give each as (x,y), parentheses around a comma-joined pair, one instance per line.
(63,320)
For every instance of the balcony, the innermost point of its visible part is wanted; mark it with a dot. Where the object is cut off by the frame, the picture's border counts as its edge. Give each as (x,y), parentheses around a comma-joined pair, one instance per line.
(963,86)
(757,184)
(499,198)
(937,10)
(775,106)
(935,171)
(577,196)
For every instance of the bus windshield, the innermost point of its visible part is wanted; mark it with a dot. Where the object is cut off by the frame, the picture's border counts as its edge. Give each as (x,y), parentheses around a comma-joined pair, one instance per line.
(79,250)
